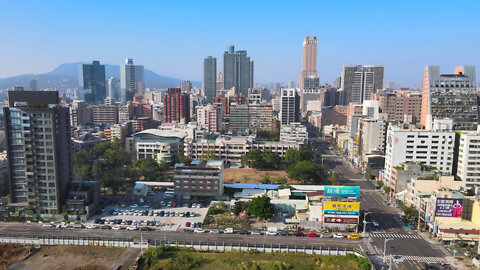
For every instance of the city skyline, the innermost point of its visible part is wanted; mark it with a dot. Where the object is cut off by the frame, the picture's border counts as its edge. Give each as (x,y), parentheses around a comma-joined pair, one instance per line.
(190,40)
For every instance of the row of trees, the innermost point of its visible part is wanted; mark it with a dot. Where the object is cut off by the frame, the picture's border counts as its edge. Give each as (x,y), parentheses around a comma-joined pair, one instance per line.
(111,164)
(259,159)
(304,166)
(260,207)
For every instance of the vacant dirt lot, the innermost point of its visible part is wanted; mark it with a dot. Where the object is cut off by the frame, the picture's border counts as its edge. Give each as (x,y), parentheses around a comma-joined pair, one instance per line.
(10,253)
(73,257)
(252,176)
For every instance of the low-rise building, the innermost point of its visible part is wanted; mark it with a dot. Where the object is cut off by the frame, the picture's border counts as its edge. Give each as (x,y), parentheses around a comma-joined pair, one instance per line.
(402,174)
(160,145)
(86,141)
(294,132)
(197,180)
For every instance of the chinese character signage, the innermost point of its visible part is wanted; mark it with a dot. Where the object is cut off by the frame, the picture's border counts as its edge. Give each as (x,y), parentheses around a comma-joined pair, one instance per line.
(341,220)
(342,191)
(447,207)
(341,208)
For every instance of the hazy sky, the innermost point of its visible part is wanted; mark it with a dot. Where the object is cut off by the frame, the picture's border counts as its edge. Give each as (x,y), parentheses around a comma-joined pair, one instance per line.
(173,37)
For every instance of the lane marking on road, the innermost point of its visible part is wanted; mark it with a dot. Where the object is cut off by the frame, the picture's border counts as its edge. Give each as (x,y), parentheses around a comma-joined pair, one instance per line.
(394,235)
(423,259)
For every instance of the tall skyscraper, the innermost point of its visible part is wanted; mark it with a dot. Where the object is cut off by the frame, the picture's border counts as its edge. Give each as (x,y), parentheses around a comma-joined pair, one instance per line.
(359,82)
(38,149)
(91,79)
(33,83)
(176,106)
(113,89)
(309,60)
(289,106)
(132,80)
(209,83)
(237,71)
(186,86)
(451,96)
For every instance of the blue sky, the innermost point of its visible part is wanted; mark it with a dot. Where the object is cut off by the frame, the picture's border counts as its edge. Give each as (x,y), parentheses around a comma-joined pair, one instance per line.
(173,37)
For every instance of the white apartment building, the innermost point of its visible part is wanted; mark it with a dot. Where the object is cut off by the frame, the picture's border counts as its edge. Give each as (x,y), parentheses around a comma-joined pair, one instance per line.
(373,136)
(468,168)
(433,148)
(294,132)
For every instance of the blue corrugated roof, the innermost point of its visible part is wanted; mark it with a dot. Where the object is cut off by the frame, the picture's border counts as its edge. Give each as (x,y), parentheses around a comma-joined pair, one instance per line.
(253,186)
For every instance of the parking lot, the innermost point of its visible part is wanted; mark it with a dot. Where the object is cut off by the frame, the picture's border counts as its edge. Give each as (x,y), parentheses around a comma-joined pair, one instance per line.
(168,217)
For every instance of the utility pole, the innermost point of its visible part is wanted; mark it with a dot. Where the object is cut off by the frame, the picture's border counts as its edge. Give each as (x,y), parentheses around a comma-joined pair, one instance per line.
(390,263)
(385,247)
(365,222)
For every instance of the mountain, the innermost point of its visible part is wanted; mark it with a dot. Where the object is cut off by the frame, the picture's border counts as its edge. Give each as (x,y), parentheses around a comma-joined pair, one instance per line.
(66,76)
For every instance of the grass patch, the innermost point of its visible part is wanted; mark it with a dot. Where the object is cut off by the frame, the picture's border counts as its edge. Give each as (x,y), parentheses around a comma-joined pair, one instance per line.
(170,258)
(10,253)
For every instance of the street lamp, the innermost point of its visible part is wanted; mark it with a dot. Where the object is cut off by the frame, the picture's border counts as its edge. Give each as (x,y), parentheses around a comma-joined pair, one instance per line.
(385,247)
(365,221)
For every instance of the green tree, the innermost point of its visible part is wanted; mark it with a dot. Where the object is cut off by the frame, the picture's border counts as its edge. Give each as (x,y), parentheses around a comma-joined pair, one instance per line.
(261,207)
(293,155)
(147,168)
(239,207)
(306,172)
(266,179)
(97,171)
(113,182)
(253,159)
(81,172)
(270,159)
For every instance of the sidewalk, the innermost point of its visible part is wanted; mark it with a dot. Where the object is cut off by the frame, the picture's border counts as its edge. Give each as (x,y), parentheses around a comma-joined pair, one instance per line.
(450,259)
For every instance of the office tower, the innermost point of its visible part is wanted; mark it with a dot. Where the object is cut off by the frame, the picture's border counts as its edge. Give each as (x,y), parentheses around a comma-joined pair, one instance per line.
(33,84)
(289,106)
(311,91)
(91,80)
(176,106)
(132,80)
(104,114)
(209,78)
(359,82)
(38,150)
(337,84)
(186,86)
(80,114)
(113,89)
(239,118)
(309,59)
(237,71)
(451,96)
(330,96)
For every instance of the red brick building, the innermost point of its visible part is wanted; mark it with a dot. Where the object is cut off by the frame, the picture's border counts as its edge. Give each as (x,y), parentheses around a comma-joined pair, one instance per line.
(176,106)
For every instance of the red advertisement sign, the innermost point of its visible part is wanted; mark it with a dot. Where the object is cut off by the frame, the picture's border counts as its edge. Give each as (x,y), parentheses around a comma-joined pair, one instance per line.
(340,220)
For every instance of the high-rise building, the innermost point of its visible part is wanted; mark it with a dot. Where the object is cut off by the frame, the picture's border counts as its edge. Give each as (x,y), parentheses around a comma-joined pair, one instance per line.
(176,106)
(359,82)
(289,106)
(91,80)
(80,114)
(132,80)
(400,104)
(468,161)
(186,86)
(311,91)
(33,83)
(103,114)
(210,116)
(309,60)
(113,89)
(38,149)
(209,78)
(141,108)
(237,71)
(451,96)
(265,119)
(239,117)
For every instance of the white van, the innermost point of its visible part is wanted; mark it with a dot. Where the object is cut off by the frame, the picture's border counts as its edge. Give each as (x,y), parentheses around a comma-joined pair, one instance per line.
(228,230)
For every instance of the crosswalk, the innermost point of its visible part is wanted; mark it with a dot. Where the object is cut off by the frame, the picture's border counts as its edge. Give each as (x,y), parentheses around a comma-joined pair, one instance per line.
(424,259)
(395,235)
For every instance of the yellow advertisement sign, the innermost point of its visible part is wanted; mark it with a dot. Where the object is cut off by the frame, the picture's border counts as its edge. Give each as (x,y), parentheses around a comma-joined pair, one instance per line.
(341,208)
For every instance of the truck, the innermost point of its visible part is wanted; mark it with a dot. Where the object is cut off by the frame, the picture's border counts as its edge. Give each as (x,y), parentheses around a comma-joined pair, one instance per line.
(228,231)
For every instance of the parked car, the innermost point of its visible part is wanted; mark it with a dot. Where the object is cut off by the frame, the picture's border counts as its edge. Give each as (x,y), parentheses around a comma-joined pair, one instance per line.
(187,224)
(116,227)
(106,227)
(338,235)
(146,229)
(78,226)
(215,231)
(242,232)
(284,233)
(271,233)
(353,236)
(299,234)
(132,228)
(199,231)
(228,230)
(47,225)
(375,224)
(91,226)
(256,233)
(312,234)
(326,235)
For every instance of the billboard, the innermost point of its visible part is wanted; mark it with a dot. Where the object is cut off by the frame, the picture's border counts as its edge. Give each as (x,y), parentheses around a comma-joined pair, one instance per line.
(341,208)
(342,191)
(340,220)
(447,207)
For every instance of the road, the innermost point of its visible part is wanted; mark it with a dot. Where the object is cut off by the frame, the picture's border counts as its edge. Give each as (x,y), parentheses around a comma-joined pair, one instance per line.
(35,229)
(415,252)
